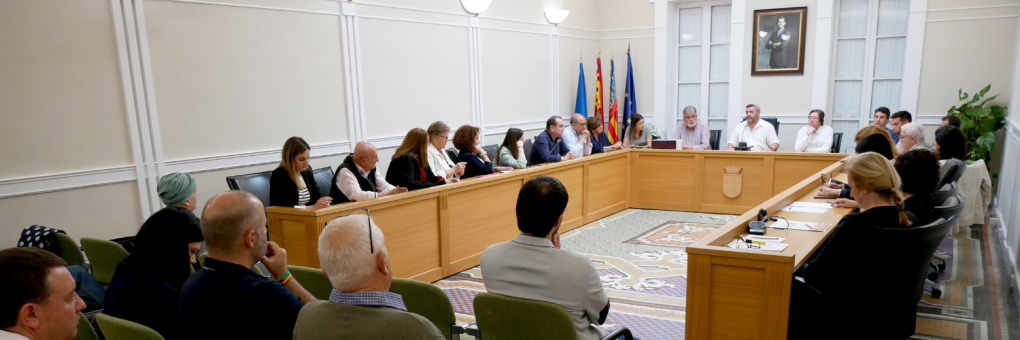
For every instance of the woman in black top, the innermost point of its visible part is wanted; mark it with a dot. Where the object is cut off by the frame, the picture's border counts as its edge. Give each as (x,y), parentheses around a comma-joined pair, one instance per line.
(468,140)
(146,286)
(410,165)
(950,143)
(293,182)
(919,170)
(829,274)
(872,143)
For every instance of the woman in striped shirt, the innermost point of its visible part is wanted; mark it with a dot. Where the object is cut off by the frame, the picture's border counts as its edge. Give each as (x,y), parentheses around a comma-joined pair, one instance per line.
(292,183)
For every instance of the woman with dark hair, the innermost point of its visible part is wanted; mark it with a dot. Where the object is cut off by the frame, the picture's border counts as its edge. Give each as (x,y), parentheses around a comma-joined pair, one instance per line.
(599,141)
(293,183)
(919,172)
(636,135)
(410,165)
(511,152)
(951,143)
(468,140)
(146,286)
(876,143)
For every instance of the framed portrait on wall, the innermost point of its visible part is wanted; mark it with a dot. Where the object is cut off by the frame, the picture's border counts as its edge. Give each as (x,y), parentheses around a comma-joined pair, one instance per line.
(778,41)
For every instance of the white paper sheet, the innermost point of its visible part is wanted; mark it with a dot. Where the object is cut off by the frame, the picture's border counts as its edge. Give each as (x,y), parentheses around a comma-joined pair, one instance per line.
(769,246)
(765,238)
(805,209)
(816,205)
(797,225)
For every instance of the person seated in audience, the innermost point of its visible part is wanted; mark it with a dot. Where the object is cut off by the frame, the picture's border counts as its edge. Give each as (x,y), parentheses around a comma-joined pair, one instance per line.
(147,285)
(693,134)
(947,120)
(636,135)
(468,140)
(292,183)
(532,266)
(919,172)
(898,120)
(439,162)
(758,134)
(178,189)
(816,136)
(875,143)
(951,143)
(361,305)
(882,120)
(409,167)
(876,187)
(355,179)
(876,130)
(599,141)
(226,299)
(912,138)
(576,137)
(511,152)
(548,148)
(39,300)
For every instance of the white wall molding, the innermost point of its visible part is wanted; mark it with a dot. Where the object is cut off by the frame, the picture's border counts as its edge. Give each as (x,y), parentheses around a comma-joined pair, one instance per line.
(22,186)
(737,67)
(823,51)
(976,18)
(525,126)
(475,58)
(912,58)
(554,71)
(245,159)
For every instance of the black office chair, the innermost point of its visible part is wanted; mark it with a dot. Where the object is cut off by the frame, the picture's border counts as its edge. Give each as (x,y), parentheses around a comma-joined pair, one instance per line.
(490,150)
(324,178)
(256,183)
(902,269)
(951,171)
(774,121)
(527,148)
(713,138)
(948,210)
(945,192)
(453,153)
(837,140)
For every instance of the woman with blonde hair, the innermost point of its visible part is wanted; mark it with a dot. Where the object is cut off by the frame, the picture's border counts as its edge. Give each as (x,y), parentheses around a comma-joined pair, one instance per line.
(410,165)
(440,163)
(292,183)
(877,130)
(876,186)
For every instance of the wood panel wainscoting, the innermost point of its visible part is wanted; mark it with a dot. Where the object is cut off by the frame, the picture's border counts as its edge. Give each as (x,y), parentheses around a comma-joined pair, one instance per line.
(440,231)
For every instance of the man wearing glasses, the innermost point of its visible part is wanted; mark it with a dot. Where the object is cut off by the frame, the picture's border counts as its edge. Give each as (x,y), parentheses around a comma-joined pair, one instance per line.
(692,133)
(532,266)
(816,136)
(355,179)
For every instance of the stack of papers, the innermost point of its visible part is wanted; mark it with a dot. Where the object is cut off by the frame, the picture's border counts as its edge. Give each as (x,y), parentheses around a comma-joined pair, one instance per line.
(808,207)
(797,225)
(770,246)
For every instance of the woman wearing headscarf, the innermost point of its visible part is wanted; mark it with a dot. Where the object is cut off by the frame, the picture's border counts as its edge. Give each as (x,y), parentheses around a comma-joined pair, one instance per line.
(178,189)
(146,286)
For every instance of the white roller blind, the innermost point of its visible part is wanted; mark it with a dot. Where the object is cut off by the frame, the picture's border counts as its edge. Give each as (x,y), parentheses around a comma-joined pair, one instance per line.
(853,18)
(690,26)
(889,54)
(720,24)
(718,99)
(892,17)
(850,58)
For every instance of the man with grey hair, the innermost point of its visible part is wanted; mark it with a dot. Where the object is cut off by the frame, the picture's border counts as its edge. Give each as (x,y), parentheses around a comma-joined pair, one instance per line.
(759,135)
(360,305)
(692,133)
(912,137)
(575,137)
(231,300)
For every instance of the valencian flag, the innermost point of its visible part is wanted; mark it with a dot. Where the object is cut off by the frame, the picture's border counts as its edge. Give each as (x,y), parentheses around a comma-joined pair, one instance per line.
(598,87)
(614,126)
(581,106)
(629,108)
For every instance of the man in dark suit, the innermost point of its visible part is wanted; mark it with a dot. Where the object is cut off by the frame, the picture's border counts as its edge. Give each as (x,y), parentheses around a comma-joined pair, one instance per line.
(777,42)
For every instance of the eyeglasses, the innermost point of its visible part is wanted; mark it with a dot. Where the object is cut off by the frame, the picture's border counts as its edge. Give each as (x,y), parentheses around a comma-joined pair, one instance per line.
(371,245)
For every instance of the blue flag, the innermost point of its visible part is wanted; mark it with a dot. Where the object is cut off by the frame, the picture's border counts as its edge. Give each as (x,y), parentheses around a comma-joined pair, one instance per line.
(629,108)
(581,106)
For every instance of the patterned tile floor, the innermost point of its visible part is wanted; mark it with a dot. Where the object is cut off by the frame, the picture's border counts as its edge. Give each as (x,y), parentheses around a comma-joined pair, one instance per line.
(640,256)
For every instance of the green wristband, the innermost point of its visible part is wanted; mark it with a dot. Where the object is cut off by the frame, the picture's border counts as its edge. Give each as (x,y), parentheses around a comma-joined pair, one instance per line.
(283,277)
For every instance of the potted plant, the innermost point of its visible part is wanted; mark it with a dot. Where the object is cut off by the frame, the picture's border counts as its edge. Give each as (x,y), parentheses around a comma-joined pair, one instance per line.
(979,123)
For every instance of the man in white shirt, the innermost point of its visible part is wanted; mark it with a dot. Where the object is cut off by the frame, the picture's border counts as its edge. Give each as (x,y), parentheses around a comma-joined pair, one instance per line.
(815,137)
(355,179)
(40,302)
(575,139)
(758,134)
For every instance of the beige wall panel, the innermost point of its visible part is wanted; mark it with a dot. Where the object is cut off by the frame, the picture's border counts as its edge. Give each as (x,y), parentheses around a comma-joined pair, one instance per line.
(414,74)
(618,14)
(582,12)
(953,4)
(779,94)
(642,55)
(306,5)
(498,138)
(787,136)
(115,215)
(232,80)
(516,77)
(445,6)
(949,62)
(60,90)
(570,56)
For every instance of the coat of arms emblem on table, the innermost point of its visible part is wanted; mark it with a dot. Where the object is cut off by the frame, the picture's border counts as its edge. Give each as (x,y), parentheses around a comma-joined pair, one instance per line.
(731,180)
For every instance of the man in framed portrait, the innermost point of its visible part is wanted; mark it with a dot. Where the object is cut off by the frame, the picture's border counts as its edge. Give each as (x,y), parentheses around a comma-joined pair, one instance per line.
(777,42)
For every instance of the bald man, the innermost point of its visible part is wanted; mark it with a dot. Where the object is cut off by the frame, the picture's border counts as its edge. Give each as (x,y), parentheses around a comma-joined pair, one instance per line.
(576,138)
(226,296)
(355,179)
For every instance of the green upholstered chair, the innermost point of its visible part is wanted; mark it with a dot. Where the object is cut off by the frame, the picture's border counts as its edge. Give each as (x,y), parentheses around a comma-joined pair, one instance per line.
(501,317)
(314,281)
(120,329)
(202,256)
(429,301)
(85,331)
(104,256)
(68,250)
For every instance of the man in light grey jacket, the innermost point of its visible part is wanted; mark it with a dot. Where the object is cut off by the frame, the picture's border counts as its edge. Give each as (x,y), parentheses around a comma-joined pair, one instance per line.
(532,266)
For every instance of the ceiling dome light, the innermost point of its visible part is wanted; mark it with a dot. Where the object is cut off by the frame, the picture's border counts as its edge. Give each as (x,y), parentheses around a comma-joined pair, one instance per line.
(475,7)
(556,16)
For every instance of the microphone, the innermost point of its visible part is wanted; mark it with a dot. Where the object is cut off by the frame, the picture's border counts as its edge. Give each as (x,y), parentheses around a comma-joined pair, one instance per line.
(758,227)
(742,146)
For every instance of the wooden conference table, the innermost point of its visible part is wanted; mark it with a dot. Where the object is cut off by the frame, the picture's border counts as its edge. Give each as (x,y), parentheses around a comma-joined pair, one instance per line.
(437,232)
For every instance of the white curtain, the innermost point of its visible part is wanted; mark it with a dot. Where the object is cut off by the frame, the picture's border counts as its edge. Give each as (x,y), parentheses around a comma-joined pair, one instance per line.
(889,56)
(690,26)
(846,99)
(892,17)
(719,69)
(850,58)
(886,93)
(853,18)
(718,99)
(720,24)
(689,95)
(690,64)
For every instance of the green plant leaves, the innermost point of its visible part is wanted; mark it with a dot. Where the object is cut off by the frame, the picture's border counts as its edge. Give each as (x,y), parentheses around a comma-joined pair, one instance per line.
(986,141)
(979,123)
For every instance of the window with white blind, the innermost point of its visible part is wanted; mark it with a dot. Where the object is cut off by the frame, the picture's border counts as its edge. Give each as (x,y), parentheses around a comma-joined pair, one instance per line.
(703,62)
(871,37)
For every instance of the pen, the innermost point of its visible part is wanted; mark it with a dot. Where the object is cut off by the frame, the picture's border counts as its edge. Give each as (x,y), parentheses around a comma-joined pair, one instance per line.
(765,237)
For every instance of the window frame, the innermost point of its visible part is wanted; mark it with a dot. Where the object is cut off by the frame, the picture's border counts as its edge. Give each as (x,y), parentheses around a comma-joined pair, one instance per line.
(704,81)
